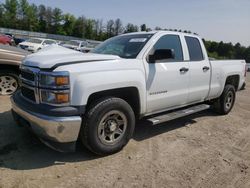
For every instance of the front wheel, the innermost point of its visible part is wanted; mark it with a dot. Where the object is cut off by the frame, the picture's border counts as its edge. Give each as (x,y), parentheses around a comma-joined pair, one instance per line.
(9,82)
(107,126)
(225,103)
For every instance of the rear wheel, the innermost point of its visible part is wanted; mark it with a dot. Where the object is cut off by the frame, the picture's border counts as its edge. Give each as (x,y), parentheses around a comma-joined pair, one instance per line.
(225,103)
(107,126)
(9,82)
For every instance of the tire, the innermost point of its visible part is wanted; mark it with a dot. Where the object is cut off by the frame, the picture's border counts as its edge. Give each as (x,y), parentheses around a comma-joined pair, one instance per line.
(225,103)
(9,82)
(107,117)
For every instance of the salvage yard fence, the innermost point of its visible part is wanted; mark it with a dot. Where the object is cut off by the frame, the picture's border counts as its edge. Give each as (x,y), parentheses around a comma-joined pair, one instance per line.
(30,34)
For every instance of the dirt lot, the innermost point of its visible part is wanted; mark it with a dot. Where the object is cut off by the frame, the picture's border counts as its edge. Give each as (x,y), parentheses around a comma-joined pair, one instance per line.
(202,150)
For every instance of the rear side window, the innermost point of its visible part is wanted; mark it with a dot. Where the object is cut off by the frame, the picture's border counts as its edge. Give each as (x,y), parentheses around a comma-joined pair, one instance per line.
(194,49)
(170,42)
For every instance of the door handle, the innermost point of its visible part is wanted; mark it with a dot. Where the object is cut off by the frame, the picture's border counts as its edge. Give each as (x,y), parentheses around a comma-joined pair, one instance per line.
(184,69)
(205,68)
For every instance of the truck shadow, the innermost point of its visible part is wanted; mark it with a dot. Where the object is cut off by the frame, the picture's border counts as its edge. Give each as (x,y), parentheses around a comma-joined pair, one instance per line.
(21,150)
(144,130)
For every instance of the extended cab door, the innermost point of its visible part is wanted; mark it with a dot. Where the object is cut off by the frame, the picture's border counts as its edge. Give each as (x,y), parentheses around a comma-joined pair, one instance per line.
(167,80)
(199,70)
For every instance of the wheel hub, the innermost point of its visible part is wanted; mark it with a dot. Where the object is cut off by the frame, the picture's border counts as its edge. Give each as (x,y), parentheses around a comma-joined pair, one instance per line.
(8,85)
(112,127)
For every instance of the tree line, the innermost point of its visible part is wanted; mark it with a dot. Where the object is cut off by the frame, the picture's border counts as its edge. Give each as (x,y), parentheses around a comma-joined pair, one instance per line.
(20,14)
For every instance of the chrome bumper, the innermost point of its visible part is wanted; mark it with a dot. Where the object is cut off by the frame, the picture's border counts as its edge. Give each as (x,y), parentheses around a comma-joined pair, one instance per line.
(50,128)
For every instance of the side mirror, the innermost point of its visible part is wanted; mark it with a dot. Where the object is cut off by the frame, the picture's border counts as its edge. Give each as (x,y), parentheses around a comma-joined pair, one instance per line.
(161,54)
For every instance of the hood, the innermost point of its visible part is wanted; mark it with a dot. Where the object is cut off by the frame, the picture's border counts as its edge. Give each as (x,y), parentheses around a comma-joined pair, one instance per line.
(54,56)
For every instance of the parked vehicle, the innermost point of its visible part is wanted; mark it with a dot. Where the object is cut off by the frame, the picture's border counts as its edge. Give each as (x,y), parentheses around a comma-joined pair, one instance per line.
(90,46)
(75,44)
(10,60)
(4,39)
(82,46)
(35,44)
(15,40)
(248,66)
(97,97)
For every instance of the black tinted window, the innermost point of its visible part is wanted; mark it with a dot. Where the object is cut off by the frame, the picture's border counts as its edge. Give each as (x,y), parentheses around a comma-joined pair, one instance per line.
(194,48)
(170,42)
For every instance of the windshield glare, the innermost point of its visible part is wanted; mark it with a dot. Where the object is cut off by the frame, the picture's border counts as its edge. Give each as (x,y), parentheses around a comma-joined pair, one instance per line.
(125,46)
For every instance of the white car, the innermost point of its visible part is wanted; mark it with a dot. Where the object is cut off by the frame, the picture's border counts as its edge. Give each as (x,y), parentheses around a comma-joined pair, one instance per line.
(35,44)
(82,46)
(75,44)
(97,97)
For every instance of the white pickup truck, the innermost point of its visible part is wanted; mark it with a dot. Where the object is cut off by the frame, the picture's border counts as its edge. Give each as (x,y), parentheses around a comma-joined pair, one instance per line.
(97,97)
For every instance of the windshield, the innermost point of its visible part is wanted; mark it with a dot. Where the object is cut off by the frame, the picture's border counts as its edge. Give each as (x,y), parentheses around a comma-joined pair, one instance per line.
(73,43)
(37,41)
(125,46)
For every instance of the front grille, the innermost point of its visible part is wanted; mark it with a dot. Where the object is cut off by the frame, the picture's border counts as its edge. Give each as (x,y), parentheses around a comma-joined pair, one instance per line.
(28,75)
(28,93)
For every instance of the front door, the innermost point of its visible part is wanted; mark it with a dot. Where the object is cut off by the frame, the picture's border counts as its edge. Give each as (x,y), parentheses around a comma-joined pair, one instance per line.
(167,81)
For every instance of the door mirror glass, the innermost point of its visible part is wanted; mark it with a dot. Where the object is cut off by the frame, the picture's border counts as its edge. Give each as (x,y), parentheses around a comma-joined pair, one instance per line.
(161,54)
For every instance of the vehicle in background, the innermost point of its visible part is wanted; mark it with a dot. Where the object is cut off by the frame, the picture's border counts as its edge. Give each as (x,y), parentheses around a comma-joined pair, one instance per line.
(61,43)
(90,46)
(248,66)
(15,39)
(97,97)
(35,44)
(75,44)
(82,46)
(10,60)
(7,40)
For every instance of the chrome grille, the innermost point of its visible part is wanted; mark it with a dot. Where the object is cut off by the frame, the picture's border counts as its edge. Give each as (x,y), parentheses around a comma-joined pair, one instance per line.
(29,83)
(28,93)
(28,75)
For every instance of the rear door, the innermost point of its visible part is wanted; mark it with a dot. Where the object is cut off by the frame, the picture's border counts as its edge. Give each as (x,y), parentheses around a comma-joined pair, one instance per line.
(199,70)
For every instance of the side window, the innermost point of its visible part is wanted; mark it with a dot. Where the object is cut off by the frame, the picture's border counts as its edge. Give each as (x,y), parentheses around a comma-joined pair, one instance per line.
(194,49)
(170,42)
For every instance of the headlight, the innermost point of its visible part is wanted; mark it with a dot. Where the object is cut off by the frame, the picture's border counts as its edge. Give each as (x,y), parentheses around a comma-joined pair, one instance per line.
(54,80)
(55,97)
(54,88)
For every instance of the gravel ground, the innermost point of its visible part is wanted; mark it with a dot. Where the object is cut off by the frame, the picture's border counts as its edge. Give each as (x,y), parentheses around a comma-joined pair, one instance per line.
(202,150)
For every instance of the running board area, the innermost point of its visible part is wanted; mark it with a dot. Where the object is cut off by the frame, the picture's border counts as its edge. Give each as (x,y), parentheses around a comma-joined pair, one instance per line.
(177,114)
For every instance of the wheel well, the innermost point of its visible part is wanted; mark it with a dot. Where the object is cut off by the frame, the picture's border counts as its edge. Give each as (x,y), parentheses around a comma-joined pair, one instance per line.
(14,68)
(233,80)
(129,94)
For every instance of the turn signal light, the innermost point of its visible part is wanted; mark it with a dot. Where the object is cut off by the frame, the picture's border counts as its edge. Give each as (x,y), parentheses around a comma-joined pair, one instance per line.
(62,80)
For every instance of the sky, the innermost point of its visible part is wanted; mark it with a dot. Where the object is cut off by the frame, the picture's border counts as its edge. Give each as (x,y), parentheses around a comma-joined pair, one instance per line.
(218,20)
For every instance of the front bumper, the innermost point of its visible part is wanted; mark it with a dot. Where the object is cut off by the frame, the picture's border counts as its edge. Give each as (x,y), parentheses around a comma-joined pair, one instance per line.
(60,133)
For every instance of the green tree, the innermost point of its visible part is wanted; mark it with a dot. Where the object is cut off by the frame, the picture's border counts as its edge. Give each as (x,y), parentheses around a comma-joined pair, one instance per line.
(143,27)
(10,13)
(69,24)
(2,16)
(42,18)
(79,27)
(110,28)
(131,28)
(57,18)
(118,26)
